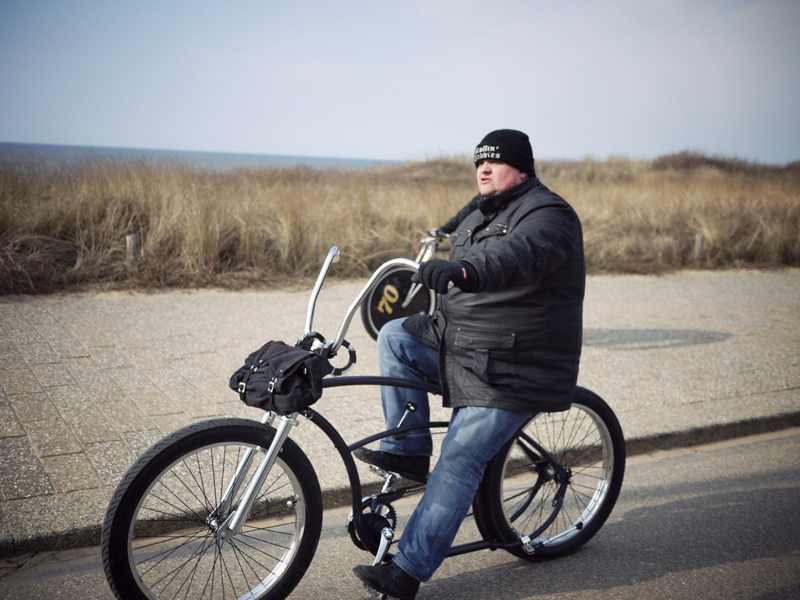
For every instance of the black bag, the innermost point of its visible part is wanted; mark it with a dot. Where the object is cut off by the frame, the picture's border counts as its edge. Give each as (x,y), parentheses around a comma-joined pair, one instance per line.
(280,378)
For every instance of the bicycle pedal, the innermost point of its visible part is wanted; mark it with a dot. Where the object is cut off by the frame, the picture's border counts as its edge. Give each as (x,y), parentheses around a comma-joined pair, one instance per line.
(383,474)
(389,479)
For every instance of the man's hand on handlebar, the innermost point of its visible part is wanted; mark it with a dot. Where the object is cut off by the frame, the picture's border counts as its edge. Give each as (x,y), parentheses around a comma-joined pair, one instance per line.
(440,275)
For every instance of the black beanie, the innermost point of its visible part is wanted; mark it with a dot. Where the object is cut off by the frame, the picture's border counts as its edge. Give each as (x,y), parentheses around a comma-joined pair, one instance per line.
(509,146)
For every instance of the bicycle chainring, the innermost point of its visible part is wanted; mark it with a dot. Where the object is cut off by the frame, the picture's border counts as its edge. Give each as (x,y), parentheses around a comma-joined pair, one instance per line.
(379,517)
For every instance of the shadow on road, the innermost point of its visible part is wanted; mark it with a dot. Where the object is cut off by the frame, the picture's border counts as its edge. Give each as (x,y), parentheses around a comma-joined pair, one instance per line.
(649,339)
(702,544)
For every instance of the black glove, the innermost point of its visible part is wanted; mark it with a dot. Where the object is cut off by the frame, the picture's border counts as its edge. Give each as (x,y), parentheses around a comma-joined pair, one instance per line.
(440,275)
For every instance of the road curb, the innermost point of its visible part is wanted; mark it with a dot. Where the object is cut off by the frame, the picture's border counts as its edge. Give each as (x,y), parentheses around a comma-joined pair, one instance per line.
(711,433)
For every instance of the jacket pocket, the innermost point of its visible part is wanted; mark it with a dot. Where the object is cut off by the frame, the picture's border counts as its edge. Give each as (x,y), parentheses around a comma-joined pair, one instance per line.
(488,355)
(490,231)
(460,237)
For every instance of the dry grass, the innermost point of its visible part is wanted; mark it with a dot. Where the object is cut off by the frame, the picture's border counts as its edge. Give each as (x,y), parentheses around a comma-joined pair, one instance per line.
(66,229)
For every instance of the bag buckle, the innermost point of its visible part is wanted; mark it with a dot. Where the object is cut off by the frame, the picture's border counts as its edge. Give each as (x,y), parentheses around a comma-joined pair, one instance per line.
(271,386)
(241,387)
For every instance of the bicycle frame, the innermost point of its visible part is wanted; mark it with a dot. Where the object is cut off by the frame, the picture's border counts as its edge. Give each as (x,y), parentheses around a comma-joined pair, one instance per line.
(345,452)
(327,350)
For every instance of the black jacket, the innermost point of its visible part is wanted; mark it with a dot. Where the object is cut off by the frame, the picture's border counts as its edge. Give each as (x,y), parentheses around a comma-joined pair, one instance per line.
(514,342)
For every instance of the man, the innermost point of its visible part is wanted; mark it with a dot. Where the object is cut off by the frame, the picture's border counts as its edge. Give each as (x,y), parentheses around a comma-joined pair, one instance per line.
(504,345)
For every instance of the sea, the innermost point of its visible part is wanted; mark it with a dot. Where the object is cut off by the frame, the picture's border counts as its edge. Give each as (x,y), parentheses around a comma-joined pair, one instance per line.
(58,156)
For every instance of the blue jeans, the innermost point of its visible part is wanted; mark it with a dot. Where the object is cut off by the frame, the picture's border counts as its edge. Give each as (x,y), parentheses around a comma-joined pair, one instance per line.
(473,438)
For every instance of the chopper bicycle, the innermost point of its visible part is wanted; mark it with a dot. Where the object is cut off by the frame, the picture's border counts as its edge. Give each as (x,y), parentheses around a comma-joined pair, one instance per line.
(232,508)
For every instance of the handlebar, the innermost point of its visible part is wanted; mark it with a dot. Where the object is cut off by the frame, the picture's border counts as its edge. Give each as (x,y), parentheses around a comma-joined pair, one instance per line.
(333,256)
(382,270)
(329,349)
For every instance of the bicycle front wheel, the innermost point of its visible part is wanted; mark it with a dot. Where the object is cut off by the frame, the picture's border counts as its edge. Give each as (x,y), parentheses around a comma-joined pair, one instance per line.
(160,540)
(520,486)
(386,301)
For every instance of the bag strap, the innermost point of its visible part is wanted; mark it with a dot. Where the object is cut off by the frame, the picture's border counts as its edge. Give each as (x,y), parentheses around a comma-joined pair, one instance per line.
(243,382)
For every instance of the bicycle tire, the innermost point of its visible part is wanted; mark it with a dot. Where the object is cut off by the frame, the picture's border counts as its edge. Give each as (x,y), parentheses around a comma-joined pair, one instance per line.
(517,493)
(156,538)
(383,302)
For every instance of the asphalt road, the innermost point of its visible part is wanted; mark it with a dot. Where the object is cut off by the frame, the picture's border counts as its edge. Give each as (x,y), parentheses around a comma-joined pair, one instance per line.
(713,521)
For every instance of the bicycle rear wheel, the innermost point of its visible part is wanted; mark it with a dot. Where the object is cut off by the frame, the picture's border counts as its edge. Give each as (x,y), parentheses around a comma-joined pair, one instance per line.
(159,536)
(520,485)
(385,302)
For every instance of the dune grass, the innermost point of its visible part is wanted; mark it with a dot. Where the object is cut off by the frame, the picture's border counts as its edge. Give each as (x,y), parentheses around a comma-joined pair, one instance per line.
(65,228)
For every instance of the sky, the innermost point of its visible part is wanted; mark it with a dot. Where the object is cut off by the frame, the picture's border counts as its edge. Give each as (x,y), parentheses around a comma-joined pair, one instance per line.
(405,80)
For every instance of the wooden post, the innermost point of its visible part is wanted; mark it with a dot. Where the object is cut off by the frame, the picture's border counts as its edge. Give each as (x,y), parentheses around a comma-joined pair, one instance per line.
(133,243)
(699,242)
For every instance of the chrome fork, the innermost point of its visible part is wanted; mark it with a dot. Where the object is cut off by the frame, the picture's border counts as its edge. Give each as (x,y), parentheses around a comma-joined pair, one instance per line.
(226,502)
(233,524)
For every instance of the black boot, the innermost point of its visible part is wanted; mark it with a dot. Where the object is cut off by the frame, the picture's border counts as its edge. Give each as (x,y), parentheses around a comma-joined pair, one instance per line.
(388,579)
(414,468)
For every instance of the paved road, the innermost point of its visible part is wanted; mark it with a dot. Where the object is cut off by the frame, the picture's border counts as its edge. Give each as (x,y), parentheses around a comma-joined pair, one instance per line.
(718,521)
(87,382)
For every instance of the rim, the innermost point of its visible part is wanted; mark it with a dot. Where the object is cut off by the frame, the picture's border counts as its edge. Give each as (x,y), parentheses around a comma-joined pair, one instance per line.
(580,441)
(172,549)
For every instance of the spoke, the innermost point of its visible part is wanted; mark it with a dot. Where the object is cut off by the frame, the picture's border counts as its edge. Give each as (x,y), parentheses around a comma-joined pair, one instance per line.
(211,573)
(518,494)
(256,561)
(189,517)
(190,576)
(254,538)
(580,501)
(224,563)
(241,568)
(569,439)
(590,489)
(174,572)
(188,510)
(537,514)
(531,494)
(272,529)
(161,539)
(589,450)
(214,475)
(244,555)
(243,542)
(162,556)
(204,501)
